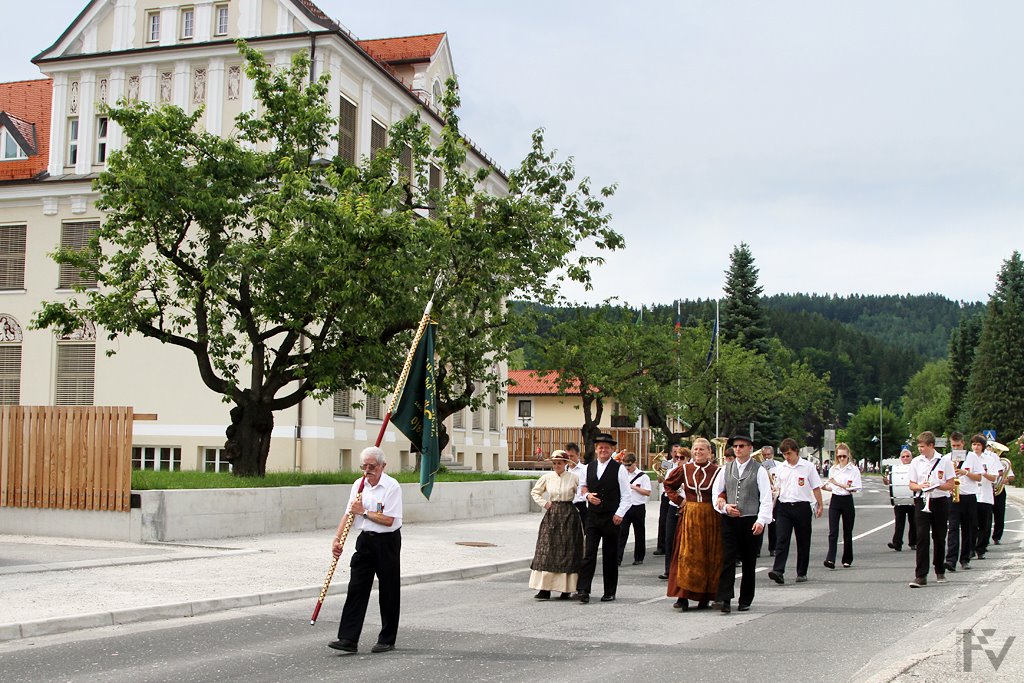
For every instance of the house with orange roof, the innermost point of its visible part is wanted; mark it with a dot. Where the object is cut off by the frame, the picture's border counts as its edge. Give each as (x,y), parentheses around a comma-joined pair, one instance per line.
(55,139)
(535,400)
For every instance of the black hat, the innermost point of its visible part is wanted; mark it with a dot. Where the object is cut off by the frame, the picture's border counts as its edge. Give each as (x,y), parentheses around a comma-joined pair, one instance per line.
(740,437)
(605,438)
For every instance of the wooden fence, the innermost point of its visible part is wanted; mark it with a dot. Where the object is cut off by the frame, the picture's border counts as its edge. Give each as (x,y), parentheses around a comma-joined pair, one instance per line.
(530,445)
(66,458)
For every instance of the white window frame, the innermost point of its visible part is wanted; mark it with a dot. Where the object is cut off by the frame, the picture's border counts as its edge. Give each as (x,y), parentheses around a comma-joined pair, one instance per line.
(219,461)
(72,141)
(154,456)
(188,23)
(7,139)
(221,19)
(102,128)
(153,27)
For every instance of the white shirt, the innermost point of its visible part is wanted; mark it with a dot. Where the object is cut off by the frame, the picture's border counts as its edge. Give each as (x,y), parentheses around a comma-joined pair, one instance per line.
(764,491)
(643,481)
(580,470)
(990,465)
(848,475)
(925,472)
(797,482)
(973,464)
(385,498)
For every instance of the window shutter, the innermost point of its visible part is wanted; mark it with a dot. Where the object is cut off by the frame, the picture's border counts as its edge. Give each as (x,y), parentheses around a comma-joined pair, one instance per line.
(378,138)
(435,184)
(10,374)
(493,405)
(76,236)
(405,162)
(76,374)
(458,421)
(347,131)
(373,409)
(343,403)
(12,257)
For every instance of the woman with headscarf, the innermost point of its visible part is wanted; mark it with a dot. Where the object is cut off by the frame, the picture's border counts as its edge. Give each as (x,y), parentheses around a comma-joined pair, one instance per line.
(559,554)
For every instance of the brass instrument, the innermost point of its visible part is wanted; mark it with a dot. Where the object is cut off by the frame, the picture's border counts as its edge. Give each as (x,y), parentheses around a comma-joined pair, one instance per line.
(720,445)
(956,489)
(1000,482)
(758,456)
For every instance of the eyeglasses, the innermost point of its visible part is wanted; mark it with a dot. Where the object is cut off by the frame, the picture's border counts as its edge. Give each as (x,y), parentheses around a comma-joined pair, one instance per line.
(679,457)
(842,457)
(369,467)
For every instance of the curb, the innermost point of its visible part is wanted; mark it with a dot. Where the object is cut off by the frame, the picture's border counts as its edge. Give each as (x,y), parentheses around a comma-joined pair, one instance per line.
(44,627)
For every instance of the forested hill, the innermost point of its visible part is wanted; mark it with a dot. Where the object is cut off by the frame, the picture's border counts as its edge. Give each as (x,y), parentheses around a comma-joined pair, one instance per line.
(921,324)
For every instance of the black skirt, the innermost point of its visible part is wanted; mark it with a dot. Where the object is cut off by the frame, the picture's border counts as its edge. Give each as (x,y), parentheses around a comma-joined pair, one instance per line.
(559,540)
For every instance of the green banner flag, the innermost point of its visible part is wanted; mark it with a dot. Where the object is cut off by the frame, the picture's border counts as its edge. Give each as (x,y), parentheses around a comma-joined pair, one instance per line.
(415,413)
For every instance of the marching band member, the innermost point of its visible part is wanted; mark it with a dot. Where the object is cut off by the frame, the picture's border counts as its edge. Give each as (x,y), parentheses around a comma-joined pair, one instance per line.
(961,534)
(986,497)
(697,566)
(799,489)
(636,515)
(902,508)
(579,500)
(844,480)
(999,508)
(665,509)
(769,464)
(931,478)
(743,495)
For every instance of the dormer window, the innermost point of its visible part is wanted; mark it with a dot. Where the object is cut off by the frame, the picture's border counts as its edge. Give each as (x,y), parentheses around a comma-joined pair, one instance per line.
(220,20)
(188,23)
(9,147)
(153,27)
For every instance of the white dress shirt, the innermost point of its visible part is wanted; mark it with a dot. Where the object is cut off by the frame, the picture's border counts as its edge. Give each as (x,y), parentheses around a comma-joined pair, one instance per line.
(385,498)
(580,470)
(990,465)
(973,464)
(797,482)
(643,481)
(925,472)
(848,475)
(764,491)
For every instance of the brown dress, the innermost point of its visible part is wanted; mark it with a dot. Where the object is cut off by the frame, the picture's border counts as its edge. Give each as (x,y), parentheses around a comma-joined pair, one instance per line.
(697,565)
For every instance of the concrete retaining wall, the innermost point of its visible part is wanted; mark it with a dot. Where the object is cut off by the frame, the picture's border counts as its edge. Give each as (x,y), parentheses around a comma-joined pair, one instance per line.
(190,514)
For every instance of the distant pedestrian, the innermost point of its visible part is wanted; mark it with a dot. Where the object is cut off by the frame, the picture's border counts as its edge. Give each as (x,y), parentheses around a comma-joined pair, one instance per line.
(769,465)
(559,553)
(378,517)
(844,481)
(579,501)
(898,479)
(636,515)
(799,503)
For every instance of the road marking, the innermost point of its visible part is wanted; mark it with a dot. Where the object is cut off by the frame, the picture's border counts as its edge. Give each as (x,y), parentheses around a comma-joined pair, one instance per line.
(877,528)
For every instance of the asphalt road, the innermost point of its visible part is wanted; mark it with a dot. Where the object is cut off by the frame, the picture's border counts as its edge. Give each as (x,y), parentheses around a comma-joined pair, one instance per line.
(841,625)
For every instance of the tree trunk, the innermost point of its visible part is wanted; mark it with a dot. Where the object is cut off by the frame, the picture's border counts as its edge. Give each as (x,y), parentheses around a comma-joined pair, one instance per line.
(248,443)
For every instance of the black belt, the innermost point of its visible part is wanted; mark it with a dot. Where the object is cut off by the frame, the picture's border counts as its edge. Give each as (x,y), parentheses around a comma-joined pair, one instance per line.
(380,533)
(799,502)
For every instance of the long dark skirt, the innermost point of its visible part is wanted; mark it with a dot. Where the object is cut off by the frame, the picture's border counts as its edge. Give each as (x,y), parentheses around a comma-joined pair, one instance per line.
(559,554)
(697,566)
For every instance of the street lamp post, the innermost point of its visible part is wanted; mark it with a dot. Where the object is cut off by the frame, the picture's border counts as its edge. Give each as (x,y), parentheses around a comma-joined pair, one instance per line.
(880,449)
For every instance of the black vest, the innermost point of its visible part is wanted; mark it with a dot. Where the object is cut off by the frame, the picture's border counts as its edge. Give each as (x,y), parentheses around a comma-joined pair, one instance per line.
(606,488)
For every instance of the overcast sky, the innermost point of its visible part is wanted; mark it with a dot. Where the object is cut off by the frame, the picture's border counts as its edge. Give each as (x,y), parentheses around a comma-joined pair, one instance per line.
(858,147)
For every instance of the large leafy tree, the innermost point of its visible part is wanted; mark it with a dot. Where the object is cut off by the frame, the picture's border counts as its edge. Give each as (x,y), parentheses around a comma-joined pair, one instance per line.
(995,390)
(926,399)
(862,433)
(289,275)
(742,318)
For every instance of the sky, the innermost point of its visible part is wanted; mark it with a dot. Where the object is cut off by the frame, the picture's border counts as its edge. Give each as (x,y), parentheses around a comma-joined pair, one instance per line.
(868,147)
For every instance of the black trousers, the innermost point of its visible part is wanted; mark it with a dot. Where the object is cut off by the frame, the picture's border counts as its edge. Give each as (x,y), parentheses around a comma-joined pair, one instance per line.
(931,526)
(663,513)
(581,507)
(376,554)
(738,541)
(600,531)
(985,513)
(903,515)
(636,517)
(961,534)
(998,516)
(671,524)
(790,518)
(841,508)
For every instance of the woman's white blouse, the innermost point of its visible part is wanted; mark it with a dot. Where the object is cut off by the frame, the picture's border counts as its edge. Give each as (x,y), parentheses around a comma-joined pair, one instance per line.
(558,487)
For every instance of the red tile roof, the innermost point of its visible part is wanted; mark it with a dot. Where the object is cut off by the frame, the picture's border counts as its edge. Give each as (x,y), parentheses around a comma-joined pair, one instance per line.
(537,383)
(405,49)
(29,102)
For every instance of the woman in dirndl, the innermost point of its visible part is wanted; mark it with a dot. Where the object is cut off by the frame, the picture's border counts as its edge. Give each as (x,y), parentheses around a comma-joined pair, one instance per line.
(556,562)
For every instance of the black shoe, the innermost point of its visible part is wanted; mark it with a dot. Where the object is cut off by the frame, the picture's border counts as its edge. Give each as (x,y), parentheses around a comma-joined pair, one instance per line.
(913,546)
(659,551)
(681,603)
(542,595)
(343,645)
(965,566)
(382,647)
(726,607)
(739,562)
(996,541)
(950,567)
(663,577)
(582,596)
(777,577)
(608,598)
(847,564)
(565,596)
(980,556)
(897,548)
(703,604)
(743,608)
(830,564)
(771,553)
(801,579)
(636,562)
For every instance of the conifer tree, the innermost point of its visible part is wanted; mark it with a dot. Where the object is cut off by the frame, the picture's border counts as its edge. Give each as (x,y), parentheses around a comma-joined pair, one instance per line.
(962,343)
(742,318)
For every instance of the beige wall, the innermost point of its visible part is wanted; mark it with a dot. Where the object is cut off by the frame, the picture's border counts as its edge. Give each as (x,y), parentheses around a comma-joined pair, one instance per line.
(554,411)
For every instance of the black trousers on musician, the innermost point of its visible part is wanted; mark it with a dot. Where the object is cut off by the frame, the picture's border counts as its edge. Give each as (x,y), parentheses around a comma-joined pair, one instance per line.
(636,517)
(841,509)
(998,516)
(671,524)
(961,534)
(931,528)
(664,510)
(790,519)
(600,531)
(376,554)
(904,515)
(738,541)
(581,507)
(985,514)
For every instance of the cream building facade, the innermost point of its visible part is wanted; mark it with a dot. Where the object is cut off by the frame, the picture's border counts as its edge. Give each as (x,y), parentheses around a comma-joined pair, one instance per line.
(182,52)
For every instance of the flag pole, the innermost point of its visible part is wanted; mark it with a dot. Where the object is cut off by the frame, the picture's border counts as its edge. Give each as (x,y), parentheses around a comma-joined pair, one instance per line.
(717,346)
(396,394)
